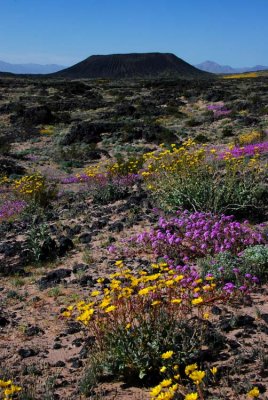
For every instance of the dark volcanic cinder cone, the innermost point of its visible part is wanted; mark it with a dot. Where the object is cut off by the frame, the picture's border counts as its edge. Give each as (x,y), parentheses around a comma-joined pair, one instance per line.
(136,65)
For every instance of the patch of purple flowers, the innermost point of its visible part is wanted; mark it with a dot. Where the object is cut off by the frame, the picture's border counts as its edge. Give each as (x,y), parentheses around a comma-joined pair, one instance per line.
(248,150)
(11,208)
(218,110)
(194,235)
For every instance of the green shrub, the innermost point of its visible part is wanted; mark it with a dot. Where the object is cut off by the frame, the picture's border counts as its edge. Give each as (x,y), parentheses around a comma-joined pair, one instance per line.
(108,193)
(253,261)
(190,177)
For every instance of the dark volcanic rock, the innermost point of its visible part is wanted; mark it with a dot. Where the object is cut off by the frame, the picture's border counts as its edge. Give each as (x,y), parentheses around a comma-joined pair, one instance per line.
(8,167)
(65,244)
(25,353)
(73,327)
(35,116)
(85,237)
(33,331)
(3,322)
(48,249)
(86,280)
(54,278)
(116,227)
(89,132)
(80,267)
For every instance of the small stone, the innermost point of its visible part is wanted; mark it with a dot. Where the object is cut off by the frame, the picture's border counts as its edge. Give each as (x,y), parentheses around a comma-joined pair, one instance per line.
(76,363)
(33,330)
(25,353)
(57,346)
(59,364)
(85,238)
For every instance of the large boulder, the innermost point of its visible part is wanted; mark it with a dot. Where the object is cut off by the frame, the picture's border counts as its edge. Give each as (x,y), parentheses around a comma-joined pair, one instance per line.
(89,132)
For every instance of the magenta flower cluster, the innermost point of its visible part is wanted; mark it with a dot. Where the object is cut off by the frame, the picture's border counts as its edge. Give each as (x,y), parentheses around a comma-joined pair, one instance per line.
(248,150)
(218,109)
(11,208)
(193,235)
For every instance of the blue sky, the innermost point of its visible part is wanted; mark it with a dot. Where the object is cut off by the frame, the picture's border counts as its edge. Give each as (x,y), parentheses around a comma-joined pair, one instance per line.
(233,32)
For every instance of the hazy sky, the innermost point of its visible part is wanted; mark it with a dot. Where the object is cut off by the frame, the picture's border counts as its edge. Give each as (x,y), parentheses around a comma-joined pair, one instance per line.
(231,32)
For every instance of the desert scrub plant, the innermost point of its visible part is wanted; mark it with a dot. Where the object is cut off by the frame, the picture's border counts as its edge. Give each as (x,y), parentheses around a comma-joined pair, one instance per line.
(138,315)
(227,267)
(202,179)
(255,260)
(110,192)
(35,188)
(39,244)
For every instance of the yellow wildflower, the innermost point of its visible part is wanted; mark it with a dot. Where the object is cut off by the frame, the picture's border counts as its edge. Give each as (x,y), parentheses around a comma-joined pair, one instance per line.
(191,396)
(254,392)
(190,368)
(5,383)
(176,301)
(166,382)
(214,370)
(196,301)
(95,293)
(155,391)
(110,309)
(197,376)
(167,354)
(66,314)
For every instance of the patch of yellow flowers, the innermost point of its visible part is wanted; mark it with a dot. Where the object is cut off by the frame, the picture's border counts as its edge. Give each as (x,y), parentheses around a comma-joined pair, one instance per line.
(8,389)
(173,383)
(182,159)
(47,130)
(30,186)
(4,180)
(129,294)
(241,76)
(250,137)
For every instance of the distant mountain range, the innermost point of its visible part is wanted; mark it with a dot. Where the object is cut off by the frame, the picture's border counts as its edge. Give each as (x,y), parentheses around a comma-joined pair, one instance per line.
(134,65)
(211,66)
(29,68)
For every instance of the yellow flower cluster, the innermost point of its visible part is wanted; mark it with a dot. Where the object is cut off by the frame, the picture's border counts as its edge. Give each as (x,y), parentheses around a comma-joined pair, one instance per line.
(241,76)
(129,294)
(254,393)
(124,167)
(93,170)
(165,390)
(180,159)
(30,186)
(4,180)
(8,389)
(250,137)
(47,130)
(169,387)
